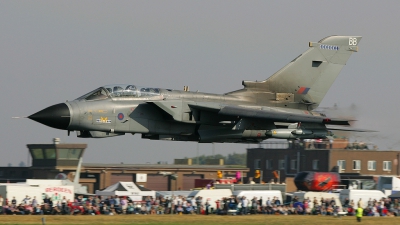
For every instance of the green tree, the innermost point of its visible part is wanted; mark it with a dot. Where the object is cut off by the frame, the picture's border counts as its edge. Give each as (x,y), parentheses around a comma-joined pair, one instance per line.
(236,159)
(231,159)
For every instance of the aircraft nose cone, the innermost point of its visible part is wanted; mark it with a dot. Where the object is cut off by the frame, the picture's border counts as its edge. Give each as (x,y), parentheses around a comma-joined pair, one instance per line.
(56,116)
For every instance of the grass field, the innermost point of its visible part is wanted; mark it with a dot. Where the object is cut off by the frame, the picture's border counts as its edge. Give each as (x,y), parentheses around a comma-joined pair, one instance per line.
(195,219)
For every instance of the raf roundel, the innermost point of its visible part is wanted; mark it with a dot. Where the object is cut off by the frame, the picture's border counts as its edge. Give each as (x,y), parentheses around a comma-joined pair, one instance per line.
(120,116)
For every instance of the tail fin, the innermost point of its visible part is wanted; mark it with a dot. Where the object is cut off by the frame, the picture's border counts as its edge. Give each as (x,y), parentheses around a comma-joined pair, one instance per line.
(310,75)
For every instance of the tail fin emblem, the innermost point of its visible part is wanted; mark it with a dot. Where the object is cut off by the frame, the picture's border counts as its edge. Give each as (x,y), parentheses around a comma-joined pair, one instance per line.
(303,90)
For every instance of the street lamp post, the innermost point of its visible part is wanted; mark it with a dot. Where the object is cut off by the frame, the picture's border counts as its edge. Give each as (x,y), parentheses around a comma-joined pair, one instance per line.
(279,176)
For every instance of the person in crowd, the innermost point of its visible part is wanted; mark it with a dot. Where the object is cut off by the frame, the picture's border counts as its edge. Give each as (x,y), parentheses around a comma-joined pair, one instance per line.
(307,208)
(324,211)
(233,203)
(56,210)
(179,209)
(332,202)
(322,201)
(370,202)
(279,210)
(1,204)
(167,205)
(184,204)
(46,209)
(148,204)
(10,209)
(245,202)
(21,209)
(277,201)
(26,200)
(189,209)
(329,210)
(219,206)
(130,209)
(107,210)
(160,209)
(14,202)
(50,203)
(291,209)
(346,203)
(117,205)
(207,205)
(299,210)
(350,210)
(268,203)
(28,209)
(360,203)
(143,209)
(254,204)
(352,204)
(199,200)
(295,199)
(275,210)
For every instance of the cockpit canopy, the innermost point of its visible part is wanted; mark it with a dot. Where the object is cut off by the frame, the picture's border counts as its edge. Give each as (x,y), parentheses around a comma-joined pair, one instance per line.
(120,91)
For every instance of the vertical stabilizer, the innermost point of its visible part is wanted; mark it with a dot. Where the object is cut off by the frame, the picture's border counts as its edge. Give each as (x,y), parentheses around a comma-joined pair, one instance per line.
(309,76)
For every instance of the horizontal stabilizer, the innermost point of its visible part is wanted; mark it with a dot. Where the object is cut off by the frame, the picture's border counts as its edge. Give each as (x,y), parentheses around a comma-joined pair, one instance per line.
(337,122)
(349,129)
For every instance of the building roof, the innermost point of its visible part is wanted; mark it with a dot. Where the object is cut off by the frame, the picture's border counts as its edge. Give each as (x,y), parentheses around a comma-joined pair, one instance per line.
(160,166)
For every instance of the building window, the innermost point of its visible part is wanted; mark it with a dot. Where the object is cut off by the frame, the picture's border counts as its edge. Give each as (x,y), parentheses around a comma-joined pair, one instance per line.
(281,164)
(387,165)
(293,164)
(37,153)
(66,153)
(257,163)
(1,173)
(356,164)
(315,164)
(371,165)
(268,164)
(341,164)
(50,153)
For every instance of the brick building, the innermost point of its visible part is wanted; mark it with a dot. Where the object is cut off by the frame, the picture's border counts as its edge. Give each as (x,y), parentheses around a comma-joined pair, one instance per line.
(352,164)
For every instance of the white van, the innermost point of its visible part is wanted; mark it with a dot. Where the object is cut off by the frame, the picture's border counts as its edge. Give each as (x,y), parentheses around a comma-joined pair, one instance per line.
(364,195)
(264,194)
(210,195)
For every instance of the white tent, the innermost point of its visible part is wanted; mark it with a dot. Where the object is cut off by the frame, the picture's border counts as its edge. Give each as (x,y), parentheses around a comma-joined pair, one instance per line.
(126,189)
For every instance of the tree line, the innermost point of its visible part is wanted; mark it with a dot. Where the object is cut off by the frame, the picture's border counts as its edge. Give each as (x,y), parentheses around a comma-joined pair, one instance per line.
(230,159)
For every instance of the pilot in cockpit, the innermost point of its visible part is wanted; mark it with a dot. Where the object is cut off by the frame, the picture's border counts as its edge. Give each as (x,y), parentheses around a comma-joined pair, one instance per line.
(131,90)
(117,89)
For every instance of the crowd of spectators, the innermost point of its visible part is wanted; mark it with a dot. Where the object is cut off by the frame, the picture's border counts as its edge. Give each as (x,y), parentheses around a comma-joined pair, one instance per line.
(113,205)
(382,207)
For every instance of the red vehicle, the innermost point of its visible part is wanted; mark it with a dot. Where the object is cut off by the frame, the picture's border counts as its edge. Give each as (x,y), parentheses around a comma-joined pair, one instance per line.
(316,181)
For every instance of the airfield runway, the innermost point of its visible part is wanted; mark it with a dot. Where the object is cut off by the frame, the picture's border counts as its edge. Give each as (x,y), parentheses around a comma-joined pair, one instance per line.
(192,219)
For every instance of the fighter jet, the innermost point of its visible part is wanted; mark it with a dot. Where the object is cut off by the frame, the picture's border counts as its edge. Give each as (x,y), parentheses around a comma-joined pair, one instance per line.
(278,107)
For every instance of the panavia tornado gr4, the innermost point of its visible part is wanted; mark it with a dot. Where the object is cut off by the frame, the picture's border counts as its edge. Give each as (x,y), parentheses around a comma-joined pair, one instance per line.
(278,107)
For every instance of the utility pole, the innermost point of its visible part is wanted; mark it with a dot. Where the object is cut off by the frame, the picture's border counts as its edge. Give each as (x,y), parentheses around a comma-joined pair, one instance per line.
(197,152)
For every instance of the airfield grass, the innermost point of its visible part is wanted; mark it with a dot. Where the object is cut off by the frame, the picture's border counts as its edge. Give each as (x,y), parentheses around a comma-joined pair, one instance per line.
(194,219)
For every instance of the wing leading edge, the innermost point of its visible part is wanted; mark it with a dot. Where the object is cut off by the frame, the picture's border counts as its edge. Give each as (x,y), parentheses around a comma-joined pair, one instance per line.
(278,116)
